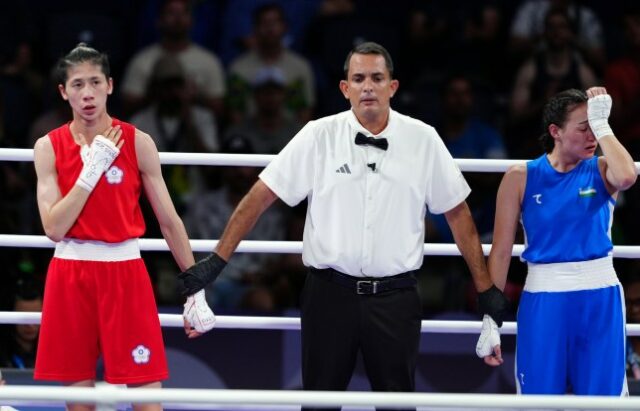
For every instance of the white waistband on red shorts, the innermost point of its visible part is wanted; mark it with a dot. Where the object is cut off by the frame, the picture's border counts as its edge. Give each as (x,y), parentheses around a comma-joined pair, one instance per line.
(90,250)
(571,276)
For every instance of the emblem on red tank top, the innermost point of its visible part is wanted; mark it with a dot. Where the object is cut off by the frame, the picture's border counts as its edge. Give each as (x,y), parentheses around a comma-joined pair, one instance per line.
(114,175)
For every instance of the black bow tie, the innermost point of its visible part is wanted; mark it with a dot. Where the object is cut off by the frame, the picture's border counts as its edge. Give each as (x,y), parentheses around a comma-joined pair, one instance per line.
(363,140)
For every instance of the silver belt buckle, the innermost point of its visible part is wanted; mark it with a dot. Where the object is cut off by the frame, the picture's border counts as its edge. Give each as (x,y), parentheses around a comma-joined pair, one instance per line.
(362,284)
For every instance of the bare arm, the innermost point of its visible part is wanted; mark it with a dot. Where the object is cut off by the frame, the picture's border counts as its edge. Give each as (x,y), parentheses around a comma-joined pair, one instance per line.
(245,216)
(57,213)
(506,223)
(156,190)
(467,239)
(616,166)
(194,279)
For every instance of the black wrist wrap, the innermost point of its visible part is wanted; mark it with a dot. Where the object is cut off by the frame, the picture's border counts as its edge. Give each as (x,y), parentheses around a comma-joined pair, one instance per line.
(494,303)
(199,275)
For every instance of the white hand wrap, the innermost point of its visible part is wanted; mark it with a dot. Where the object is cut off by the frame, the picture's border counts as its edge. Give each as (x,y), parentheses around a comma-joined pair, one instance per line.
(85,153)
(489,337)
(198,314)
(598,110)
(97,160)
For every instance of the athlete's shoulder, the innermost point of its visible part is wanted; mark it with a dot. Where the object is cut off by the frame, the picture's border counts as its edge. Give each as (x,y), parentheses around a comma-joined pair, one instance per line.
(515,177)
(42,144)
(58,132)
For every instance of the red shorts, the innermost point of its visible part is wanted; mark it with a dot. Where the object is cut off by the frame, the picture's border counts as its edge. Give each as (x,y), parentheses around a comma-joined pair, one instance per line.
(98,307)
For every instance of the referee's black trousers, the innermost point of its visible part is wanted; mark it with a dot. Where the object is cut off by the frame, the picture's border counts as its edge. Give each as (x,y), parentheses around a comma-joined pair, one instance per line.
(337,323)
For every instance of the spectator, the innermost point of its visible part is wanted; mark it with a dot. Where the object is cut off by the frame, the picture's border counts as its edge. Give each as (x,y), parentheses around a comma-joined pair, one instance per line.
(20,344)
(632,301)
(467,136)
(622,79)
(21,84)
(527,30)
(338,27)
(425,30)
(482,43)
(271,127)
(201,66)
(236,26)
(555,68)
(172,118)
(177,124)
(269,28)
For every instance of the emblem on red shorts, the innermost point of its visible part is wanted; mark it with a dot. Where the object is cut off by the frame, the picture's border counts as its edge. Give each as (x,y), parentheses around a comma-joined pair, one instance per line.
(141,354)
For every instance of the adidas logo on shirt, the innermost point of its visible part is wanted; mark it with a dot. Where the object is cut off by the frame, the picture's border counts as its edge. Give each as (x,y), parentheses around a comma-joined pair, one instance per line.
(344,169)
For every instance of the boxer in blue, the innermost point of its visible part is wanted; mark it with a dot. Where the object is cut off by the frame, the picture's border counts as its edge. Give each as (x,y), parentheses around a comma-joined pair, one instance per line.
(571,321)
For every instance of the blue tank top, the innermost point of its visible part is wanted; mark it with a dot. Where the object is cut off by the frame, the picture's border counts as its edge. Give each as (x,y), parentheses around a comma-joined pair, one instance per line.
(566,216)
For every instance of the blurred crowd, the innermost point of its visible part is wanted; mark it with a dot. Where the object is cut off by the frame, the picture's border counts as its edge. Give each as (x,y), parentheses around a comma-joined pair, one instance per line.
(243,76)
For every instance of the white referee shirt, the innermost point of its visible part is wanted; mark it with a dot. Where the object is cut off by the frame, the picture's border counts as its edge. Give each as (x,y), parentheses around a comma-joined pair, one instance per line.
(362,222)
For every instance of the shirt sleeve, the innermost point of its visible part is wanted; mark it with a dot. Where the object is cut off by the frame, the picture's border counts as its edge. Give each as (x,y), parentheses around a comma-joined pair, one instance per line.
(446,186)
(291,174)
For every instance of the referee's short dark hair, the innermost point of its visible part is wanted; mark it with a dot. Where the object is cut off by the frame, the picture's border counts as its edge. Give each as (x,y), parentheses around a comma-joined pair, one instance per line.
(369,47)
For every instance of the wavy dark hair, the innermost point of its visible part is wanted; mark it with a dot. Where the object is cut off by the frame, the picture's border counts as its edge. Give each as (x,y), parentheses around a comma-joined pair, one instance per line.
(556,112)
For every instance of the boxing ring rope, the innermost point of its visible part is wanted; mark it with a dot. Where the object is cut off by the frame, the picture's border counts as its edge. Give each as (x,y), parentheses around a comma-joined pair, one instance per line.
(259,160)
(293,323)
(108,397)
(275,247)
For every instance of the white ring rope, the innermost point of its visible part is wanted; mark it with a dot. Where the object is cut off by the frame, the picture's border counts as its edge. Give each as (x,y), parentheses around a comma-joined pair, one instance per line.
(111,396)
(261,160)
(285,247)
(254,160)
(293,323)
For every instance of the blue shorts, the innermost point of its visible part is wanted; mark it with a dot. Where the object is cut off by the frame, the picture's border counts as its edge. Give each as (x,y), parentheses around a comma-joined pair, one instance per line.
(572,341)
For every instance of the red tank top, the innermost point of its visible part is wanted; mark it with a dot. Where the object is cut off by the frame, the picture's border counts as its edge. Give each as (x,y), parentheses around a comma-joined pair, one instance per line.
(112,213)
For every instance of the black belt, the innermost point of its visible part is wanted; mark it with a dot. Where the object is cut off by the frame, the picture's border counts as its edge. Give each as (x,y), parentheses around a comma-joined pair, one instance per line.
(367,285)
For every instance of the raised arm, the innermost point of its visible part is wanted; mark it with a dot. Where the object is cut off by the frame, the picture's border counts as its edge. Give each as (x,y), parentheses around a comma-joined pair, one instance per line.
(506,223)
(156,190)
(616,165)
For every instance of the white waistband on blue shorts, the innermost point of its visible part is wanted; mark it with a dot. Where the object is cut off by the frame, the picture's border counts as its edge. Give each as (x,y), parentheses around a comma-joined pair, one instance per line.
(572,276)
(89,250)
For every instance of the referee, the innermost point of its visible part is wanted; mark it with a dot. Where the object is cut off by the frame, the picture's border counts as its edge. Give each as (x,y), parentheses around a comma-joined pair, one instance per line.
(369,174)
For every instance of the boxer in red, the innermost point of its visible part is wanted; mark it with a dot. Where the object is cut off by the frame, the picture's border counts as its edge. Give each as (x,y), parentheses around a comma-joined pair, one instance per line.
(98,296)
